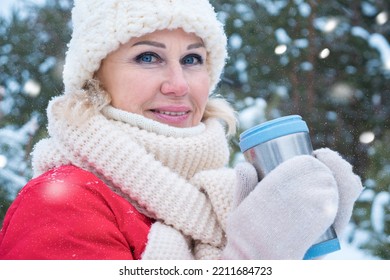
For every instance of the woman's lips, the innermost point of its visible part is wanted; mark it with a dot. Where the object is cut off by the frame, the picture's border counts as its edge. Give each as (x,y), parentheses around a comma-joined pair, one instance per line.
(170,113)
(176,116)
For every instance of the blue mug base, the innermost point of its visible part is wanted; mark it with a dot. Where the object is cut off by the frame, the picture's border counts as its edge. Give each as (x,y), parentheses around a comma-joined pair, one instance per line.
(322,248)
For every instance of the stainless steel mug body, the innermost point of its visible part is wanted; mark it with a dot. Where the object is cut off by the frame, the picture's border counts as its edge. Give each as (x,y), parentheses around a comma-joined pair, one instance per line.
(269,144)
(266,156)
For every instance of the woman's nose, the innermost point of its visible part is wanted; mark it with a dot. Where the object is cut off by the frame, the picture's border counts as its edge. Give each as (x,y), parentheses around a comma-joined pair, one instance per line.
(175,82)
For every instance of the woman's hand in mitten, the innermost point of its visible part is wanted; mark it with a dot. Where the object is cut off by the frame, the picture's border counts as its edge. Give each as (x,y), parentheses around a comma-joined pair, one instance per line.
(284,214)
(349,185)
(246,182)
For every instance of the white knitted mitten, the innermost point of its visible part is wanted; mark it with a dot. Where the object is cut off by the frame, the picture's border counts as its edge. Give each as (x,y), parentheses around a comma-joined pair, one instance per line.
(286,212)
(246,181)
(349,185)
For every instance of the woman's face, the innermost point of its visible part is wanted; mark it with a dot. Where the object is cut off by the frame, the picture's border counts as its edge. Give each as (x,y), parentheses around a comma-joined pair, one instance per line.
(162,76)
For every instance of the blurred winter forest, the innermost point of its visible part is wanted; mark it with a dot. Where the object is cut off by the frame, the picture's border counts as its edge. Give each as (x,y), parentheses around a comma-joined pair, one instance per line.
(328,61)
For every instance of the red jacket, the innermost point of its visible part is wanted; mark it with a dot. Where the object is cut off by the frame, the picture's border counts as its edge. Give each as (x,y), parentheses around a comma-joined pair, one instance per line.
(68,213)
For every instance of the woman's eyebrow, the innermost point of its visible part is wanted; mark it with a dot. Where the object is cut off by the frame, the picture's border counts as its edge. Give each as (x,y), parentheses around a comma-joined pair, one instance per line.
(150,43)
(195,46)
(160,45)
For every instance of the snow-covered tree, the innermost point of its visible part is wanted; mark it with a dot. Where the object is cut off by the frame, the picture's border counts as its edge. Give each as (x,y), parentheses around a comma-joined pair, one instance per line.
(32,47)
(15,143)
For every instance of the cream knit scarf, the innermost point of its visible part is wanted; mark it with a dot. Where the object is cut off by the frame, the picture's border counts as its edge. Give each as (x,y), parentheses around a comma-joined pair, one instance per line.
(174,175)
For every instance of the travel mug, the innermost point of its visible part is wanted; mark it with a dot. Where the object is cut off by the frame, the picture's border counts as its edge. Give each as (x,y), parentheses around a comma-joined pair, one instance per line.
(267,145)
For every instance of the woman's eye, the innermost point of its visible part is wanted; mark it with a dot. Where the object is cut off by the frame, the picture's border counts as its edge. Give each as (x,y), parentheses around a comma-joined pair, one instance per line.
(148,58)
(192,59)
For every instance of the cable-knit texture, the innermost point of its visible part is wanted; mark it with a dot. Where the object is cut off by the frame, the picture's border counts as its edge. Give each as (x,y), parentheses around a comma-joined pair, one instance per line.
(177,176)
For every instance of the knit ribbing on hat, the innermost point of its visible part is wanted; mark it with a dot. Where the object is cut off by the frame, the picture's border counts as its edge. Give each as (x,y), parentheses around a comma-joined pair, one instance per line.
(172,177)
(100,26)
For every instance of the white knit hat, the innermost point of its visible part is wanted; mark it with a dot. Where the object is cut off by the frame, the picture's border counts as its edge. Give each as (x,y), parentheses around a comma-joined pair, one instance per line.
(100,26)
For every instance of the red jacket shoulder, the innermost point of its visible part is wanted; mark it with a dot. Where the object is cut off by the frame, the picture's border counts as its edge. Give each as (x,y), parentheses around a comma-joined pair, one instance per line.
(69,213)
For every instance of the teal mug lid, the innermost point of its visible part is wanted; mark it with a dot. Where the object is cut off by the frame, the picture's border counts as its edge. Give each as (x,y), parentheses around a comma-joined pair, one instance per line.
(270,130)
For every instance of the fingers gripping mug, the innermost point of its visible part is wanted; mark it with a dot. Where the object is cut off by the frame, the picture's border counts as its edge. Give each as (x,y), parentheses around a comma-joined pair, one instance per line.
(267,145)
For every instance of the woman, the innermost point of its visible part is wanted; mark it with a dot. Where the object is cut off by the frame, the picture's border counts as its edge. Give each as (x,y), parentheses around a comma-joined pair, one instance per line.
(136,163)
